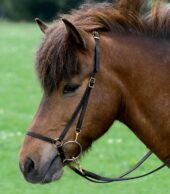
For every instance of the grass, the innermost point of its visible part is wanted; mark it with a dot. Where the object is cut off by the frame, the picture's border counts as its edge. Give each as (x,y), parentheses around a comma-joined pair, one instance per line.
(19,97)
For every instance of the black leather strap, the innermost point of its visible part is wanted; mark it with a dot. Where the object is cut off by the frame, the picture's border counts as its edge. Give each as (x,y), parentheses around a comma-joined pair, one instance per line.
(74,115)
(90,176)
(97,52)
(41,137)
(82,106)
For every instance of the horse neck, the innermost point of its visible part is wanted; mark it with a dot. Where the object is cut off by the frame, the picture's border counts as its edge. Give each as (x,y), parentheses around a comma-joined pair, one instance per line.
(141,66)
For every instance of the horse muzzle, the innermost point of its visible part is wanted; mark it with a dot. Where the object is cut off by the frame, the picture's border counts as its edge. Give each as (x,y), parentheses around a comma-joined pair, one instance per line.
(50,171)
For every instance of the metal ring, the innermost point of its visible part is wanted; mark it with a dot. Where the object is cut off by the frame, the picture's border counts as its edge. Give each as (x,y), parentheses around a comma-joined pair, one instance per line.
(74,157)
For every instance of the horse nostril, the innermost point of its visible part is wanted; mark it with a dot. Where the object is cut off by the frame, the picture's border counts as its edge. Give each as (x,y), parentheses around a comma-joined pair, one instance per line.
(29,166)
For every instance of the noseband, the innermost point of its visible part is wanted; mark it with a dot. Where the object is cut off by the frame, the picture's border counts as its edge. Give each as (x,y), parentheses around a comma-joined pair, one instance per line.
(60,145)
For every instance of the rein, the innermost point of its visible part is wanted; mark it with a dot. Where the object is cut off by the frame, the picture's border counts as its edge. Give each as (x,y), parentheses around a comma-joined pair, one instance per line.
(81,110)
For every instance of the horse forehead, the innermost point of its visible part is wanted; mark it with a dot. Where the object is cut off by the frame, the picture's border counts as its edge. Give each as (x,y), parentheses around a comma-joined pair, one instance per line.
(57,36)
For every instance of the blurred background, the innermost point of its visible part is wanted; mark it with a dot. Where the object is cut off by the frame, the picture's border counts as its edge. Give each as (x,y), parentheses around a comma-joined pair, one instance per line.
(20,95)
(27,10)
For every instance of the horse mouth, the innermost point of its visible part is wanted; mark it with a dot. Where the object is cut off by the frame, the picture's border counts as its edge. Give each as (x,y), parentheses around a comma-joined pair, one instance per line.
(54,171)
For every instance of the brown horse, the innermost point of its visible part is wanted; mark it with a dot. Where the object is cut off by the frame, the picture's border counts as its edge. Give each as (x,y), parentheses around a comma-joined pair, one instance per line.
(132,85)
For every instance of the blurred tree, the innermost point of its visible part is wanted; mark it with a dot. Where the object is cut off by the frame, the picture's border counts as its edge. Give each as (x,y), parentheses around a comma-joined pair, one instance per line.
(29,9)
(2,9)
(45,9)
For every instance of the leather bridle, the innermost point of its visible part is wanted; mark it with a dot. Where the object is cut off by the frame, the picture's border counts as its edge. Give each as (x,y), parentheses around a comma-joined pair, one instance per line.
(80,110)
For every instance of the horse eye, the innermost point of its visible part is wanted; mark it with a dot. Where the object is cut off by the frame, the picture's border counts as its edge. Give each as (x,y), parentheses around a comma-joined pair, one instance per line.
(70,88)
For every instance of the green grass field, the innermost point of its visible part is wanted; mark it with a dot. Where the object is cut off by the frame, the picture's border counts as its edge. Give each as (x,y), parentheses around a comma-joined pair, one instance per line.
(20,94)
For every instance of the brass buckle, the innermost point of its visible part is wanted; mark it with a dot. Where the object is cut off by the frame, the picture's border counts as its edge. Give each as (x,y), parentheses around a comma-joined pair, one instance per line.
(77,135)
(92,82)
(96,35)
(57,143)
(78,165)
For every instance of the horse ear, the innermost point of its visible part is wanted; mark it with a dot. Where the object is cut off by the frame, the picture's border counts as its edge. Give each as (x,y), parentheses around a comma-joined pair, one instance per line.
(75,34)
(42,25)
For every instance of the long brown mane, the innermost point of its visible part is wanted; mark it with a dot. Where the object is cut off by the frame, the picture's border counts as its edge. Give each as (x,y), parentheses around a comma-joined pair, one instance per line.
(56,58)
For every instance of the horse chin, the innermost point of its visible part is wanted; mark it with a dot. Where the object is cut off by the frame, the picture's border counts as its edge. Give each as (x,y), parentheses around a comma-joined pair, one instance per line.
(50,178)
(54,172)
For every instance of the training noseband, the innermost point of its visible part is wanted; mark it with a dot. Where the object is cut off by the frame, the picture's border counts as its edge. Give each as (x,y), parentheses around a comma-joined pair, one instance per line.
(81,109)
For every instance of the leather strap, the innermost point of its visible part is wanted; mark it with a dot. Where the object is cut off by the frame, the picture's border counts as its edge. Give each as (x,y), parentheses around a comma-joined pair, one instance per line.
(82,106)
(90,176)
(41,137)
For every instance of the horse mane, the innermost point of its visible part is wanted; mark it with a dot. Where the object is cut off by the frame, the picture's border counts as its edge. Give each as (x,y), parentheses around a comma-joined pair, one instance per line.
(124,16)
(56,57)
